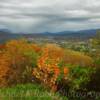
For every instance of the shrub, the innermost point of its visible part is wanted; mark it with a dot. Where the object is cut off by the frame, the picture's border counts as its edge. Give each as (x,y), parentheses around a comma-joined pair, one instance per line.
(48,71)
(78,79)
(17,61)
(2,46)
(94,84)
(4,69)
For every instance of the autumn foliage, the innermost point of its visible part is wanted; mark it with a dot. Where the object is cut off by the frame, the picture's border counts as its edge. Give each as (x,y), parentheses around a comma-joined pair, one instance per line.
(16,62)
(20,62)
(77,58)
(48,70)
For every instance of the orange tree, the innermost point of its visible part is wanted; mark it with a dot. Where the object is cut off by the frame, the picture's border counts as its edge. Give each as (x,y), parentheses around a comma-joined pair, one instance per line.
(17,61)
(48,71)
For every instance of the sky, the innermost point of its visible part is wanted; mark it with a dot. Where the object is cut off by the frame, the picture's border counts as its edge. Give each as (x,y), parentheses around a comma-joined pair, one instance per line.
(49,15)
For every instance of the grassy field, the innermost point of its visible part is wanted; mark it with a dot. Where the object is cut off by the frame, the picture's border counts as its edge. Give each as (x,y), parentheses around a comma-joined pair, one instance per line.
(28,92)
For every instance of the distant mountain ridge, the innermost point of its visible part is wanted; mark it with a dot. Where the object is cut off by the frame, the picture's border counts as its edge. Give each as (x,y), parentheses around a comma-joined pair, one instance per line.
(6,34)
(93,31)
(5,31)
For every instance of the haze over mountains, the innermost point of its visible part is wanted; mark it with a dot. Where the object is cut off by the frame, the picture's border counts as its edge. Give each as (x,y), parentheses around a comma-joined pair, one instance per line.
(6,34)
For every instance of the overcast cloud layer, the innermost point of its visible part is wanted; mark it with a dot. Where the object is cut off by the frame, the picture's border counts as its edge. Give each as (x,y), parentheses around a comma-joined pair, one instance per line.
(49,15)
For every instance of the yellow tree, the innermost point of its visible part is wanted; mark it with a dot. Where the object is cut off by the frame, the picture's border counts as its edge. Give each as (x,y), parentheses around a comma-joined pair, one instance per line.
(17,62)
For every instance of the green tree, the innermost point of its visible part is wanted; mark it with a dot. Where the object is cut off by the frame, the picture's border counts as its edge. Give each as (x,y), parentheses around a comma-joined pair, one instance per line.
(95,51)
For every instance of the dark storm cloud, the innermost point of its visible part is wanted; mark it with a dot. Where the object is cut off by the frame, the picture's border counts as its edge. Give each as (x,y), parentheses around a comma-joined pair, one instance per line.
(49,15)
